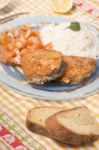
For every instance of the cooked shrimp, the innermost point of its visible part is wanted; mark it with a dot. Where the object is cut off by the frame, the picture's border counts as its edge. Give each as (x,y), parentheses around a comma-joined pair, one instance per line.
(15,40)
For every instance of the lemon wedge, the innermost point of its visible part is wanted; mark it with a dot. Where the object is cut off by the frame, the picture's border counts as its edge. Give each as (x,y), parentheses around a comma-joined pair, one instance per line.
(62,6)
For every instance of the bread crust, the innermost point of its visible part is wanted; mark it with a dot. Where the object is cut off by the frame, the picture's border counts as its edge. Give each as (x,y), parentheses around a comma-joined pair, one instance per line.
(65,135)
(37,128)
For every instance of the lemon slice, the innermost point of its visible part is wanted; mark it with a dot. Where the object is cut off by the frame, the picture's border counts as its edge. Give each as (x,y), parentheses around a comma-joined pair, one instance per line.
(62,6)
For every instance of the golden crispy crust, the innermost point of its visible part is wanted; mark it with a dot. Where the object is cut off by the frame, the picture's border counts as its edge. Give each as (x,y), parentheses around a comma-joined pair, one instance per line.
(77,69)
(41,65)
(59,132)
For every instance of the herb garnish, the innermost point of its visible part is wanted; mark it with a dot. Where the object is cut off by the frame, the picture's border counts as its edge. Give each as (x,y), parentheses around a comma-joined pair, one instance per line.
(75,26)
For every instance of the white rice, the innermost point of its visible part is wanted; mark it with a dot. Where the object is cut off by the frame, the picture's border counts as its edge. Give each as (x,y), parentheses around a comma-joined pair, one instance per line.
(79,43)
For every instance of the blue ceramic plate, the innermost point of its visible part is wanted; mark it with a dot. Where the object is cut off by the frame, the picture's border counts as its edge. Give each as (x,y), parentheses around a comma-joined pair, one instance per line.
(14,78)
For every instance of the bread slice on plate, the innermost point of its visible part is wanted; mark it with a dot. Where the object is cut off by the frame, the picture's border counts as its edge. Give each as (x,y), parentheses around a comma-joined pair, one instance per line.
(74,126)
(36,119)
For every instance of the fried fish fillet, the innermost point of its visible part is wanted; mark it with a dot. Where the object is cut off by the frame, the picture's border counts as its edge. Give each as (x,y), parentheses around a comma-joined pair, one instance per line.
(40,66)
(77,69)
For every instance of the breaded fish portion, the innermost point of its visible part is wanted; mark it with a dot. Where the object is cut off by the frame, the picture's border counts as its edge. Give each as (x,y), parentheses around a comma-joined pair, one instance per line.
(77,69)
(40,66)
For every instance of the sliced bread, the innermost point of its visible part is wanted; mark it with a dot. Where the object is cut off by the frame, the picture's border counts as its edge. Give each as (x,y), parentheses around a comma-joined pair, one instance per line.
(36,119)
(74,126)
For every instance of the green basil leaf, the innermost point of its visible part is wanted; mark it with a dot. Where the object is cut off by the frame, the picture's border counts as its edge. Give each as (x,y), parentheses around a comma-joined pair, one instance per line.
(75,26)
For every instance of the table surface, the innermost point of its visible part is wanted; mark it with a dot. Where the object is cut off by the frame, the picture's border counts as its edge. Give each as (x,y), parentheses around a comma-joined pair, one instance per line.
(14,106)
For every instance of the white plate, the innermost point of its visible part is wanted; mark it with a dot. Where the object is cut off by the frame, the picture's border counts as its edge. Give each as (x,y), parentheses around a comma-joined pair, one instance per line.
(14,79)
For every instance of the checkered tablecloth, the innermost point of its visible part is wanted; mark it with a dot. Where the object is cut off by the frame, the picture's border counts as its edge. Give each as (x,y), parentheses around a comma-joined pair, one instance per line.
(14,106)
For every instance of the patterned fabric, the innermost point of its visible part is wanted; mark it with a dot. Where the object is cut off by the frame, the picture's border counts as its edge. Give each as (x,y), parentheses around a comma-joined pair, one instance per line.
(14,107)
